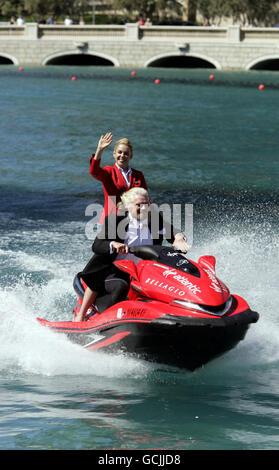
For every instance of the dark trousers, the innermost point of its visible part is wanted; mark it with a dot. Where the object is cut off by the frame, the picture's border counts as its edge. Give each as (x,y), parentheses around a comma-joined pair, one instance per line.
(111,284)
(116,288)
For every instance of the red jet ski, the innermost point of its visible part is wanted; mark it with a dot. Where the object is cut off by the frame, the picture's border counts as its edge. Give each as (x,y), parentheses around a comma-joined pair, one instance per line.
(177,312)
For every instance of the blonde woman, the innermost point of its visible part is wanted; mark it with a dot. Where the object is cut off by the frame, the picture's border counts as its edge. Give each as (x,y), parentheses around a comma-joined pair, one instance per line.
(118,178)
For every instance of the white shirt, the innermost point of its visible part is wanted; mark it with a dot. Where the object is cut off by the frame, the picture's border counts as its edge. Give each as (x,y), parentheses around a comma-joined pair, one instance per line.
(137,233)
(126,174)
(68,21)
(20,21)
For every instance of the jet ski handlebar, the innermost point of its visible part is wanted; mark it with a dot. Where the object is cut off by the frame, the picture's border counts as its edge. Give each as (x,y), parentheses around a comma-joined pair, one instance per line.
(146,251)
(151,252)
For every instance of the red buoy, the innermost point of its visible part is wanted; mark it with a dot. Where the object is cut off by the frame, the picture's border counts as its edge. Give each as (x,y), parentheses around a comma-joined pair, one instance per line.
(157,81)
(211,77)
(20,69)
(261,86)
(74,78)
(133,73)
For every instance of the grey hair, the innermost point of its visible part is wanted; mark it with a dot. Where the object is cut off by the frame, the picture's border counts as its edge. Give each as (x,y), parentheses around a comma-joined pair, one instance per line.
(128,197)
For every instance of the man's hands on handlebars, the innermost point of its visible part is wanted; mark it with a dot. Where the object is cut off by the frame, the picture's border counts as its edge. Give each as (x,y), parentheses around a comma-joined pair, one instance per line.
(180,244)
(120,247)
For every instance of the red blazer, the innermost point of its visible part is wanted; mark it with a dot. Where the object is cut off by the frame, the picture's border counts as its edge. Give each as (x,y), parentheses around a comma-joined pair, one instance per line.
(114,184)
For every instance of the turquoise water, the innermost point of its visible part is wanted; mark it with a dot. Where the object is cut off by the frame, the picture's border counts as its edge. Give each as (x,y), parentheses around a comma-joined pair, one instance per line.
(210,144)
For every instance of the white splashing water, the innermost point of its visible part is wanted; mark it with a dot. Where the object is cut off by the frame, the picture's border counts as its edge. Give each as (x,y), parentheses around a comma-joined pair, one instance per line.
(248,264)
(26,346)
(250,269)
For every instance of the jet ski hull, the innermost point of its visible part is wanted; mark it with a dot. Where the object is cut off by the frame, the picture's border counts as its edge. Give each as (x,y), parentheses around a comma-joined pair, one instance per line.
(180,341)
(177,312)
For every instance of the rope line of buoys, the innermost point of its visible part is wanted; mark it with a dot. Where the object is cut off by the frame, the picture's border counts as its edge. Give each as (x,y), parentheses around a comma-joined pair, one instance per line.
(260,87)
(215,81)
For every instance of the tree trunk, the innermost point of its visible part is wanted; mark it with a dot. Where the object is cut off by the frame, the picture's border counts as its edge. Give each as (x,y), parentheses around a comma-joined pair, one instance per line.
(189,10)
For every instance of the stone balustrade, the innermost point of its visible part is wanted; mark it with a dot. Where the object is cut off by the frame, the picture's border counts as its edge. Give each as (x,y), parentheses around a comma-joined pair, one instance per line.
(129,45)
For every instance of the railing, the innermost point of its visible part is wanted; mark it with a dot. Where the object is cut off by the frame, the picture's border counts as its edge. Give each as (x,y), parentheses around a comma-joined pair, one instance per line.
(131,31)
(195,33)
(259,34)
(11,32)
(82,31)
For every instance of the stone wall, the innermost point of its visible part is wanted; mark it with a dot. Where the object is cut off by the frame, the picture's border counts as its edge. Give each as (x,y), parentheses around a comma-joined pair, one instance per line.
(231,48)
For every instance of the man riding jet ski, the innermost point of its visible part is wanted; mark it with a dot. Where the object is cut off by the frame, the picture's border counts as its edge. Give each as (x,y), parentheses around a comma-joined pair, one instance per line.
(139,225)
(150,300)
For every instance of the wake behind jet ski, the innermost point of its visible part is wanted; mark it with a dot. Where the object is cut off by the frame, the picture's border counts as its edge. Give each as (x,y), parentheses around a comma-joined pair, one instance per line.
(177,312)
